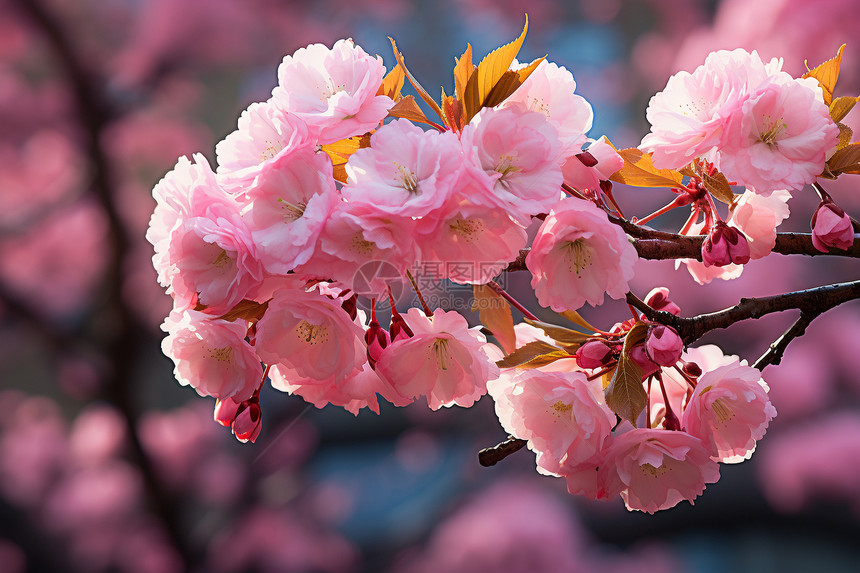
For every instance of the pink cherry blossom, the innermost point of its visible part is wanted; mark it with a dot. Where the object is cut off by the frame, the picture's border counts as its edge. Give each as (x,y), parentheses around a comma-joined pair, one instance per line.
(363,250)
(211,355)
(757,216)
(779,138)
(729,411)
(578,256)
(287,205)
(519,151)
(688,117)
(265,134)
(471,245)
(831,227)
(333,90)
(658,299)
(588,177)
(445,360)
(311,334)
(406,171)
(558,413)
(656,469)
(549,90)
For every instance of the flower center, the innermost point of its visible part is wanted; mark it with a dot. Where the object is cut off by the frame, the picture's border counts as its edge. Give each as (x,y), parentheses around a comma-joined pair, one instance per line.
(440,349)
(222,354)
(772,130)
(722,411)
(406,178)
(311,333)
(362,246)
(467,229)
(649,470)
(222,260)
(507,164)
(271,150)
(292,212)
(578,255)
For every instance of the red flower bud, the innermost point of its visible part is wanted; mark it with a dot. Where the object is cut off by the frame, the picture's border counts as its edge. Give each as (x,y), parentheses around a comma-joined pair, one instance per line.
(248,422)
(831,227)
(658,299)
(663,345)
(593,354)
(725,245)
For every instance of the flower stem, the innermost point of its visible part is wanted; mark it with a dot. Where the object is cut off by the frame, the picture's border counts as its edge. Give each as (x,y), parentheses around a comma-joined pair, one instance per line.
(421,300)
(515,303)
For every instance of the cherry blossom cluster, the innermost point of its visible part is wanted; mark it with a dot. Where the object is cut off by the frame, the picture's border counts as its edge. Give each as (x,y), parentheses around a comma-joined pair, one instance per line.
(339,187)
(702,407)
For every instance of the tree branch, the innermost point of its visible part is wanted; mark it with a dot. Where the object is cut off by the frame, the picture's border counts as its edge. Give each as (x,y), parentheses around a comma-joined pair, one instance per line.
(491,456)
(811,302)
(774,353)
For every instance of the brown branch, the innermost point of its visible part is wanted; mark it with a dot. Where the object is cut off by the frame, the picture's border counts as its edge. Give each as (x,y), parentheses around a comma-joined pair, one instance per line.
(774,353)
(811,302)
(491,456)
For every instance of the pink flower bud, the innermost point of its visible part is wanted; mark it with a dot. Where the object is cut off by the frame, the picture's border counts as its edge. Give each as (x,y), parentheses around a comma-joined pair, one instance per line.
(725,245)
(640,357)
(593,354)
(663,345)
(398,329)
(248,422)
(692,369)
(225,411)
(658,299)
(377,340)
(831,227)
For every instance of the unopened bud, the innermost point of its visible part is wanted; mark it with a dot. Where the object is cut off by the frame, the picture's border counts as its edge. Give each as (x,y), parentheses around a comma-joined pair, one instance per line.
(725,245)
(831,227)
(248,422)
(593,354)
(692,369)
(398,329)
(663,345)
(225,411)
(640,357)
(377,340)
(658,299)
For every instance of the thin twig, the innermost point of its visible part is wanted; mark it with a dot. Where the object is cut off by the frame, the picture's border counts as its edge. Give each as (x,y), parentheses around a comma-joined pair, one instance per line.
(491,456)
(775,351)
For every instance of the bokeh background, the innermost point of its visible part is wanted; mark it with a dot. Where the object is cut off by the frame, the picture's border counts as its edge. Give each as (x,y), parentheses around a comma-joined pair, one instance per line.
(108,465)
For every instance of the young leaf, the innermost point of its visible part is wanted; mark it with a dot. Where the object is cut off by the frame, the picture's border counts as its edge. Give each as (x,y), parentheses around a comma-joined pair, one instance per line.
(418,87)
(525,353)
(246,310)
(407,108)
(577,319)
(393,83)
(489,72)
(639,171)
(625,394)
(840,107)
(510,81)
(845,135)
(845,160)
(341,151)
(453,110)
(494,312)
(559,333)
(827,73)
(463,70)
(719,187)
(544,359)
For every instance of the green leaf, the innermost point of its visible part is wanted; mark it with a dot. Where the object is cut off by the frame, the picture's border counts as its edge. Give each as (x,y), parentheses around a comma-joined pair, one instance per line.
(494,312)
(526,353)
(559,333)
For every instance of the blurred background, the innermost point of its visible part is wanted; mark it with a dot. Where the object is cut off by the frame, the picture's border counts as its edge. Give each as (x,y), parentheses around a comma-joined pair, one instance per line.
(108,465)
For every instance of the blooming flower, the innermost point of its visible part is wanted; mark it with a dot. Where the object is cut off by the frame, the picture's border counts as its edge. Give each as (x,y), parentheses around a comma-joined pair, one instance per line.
(757,216)
(582,177)
(779,138)
(558,413)
(444,360)
(311,334)
(729,411)
(655,469)
(211,355)
(577,256)
(520,153)
(333,90)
